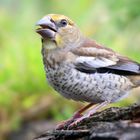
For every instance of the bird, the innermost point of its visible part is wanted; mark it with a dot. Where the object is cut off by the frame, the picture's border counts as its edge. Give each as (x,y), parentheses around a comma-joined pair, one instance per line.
(83,70)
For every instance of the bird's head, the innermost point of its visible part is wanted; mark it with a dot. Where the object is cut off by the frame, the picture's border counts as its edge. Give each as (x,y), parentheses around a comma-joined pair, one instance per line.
(60,30)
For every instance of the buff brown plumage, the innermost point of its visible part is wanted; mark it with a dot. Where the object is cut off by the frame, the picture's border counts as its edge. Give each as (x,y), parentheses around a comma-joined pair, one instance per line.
(81,69)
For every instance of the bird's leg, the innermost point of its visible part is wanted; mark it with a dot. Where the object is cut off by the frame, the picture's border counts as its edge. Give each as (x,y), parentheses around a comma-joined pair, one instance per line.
(76,115)
(79,112)
(90,113)
(99,106)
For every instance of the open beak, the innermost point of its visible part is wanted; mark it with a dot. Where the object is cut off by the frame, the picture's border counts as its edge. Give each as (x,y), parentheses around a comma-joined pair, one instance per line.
(47,27)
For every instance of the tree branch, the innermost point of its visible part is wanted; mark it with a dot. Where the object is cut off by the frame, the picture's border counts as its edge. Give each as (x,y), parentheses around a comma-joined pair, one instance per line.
(111,123)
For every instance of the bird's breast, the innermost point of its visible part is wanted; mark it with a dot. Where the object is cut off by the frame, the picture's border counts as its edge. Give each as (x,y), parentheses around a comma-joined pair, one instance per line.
(96,87)
(74,84)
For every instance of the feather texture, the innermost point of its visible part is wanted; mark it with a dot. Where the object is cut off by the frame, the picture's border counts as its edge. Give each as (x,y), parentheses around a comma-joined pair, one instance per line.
(95,58)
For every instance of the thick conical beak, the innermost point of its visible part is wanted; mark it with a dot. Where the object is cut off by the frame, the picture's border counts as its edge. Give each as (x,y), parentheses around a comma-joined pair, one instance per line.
(47,27)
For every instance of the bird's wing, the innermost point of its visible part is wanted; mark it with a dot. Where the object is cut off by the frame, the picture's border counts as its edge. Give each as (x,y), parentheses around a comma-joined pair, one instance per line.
(92,57)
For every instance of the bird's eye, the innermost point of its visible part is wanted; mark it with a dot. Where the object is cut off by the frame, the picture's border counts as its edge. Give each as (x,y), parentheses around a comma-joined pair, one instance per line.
(63,22)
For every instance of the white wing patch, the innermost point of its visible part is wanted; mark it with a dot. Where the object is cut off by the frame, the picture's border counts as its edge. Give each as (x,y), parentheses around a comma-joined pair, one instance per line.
(95,62)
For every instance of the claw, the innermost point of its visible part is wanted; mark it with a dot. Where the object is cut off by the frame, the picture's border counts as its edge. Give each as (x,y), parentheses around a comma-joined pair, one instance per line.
(64,124)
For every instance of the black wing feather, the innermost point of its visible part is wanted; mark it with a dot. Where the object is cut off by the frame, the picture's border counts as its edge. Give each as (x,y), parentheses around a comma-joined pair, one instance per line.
(130,68)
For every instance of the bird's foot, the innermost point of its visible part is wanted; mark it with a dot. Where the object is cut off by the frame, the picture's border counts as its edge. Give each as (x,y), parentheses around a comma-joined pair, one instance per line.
(65,124)
(78,117)
(89,114)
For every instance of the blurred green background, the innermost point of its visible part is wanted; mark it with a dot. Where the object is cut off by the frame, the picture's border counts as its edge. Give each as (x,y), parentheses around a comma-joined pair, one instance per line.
(24,92)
